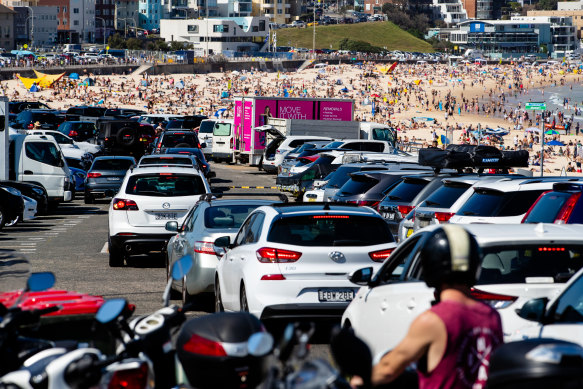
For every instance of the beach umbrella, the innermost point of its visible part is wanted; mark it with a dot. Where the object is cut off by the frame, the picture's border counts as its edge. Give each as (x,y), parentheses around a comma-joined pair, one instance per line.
(34,88)
(74,76)
(345,89)
(555,143)
(552,132)
(219,112)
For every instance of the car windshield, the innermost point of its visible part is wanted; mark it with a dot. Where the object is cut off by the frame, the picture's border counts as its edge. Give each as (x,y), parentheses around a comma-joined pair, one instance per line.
(445,196)
(72,162)
(330,230)
(490,203)
(509,264)
(547,208)
(222,129)
(206,127)
(175,139)
(165,184)
(166,161)
(112,164)
(42,117)
(333,145)
(406,190)
(227,216)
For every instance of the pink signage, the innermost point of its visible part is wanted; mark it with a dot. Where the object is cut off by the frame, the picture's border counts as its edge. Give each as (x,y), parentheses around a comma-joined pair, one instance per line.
(336,110)
(247,123)
(295,109)
(238,124)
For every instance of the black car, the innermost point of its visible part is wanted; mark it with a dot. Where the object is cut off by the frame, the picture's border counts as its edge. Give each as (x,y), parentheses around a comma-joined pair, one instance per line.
(105,176)
(78,131)
(186,123)
(34,191)
(11,206)
(17,107)
(177,139)
(85,113)
(122,113)
(48,120)
(124,137)
(201,161)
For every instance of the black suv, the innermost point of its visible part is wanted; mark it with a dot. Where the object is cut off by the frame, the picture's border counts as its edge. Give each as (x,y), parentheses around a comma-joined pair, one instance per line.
(124,137)
(85,113)
(78,131)
(186,123)
(49,120)
(122,113)
(17,107)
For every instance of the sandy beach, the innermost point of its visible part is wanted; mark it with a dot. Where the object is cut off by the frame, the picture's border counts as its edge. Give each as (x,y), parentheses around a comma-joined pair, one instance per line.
(458,98)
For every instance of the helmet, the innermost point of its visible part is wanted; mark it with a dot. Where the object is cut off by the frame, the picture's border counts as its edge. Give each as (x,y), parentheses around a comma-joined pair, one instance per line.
(450,255)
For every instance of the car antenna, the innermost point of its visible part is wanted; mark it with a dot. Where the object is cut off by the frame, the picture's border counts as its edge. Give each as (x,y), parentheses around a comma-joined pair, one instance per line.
(326,207)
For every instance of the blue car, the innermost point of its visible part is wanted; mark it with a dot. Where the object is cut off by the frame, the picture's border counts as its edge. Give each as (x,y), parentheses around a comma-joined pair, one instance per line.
(79,176)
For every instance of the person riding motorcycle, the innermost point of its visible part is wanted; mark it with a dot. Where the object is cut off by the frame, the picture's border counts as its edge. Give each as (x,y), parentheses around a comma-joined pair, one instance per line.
(452,341)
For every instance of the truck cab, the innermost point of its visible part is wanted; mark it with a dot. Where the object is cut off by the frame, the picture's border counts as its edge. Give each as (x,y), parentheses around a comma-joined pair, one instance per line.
(38,159)
(378,131)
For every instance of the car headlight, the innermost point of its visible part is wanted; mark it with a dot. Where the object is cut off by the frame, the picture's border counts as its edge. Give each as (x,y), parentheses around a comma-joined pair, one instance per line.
(38,191)
(11,190)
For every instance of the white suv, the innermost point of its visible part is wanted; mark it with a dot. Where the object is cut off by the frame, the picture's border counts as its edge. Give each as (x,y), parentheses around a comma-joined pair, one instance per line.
(148,198)
(293,260)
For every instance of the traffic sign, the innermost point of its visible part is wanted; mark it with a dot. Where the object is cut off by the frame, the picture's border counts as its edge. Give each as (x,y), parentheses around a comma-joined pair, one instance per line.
(536,106)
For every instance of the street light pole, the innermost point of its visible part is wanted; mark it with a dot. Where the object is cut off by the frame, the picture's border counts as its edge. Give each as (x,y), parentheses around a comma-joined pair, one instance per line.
(103,22)
(31,25)
(207,27)
(314,34)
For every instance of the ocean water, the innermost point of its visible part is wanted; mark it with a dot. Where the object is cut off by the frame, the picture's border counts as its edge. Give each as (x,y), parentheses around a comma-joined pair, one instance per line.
(554,96)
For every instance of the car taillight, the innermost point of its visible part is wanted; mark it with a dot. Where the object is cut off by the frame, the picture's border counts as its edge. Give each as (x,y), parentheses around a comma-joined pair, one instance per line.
(271,255)
(404,210)
(73,133)
(231,143)
(495,300)
(273,277)
(365,203)
(565,213)
(381,255)
(204,247)
(93,175)
(443,217)
(124,205)
(202,346)
(130,378)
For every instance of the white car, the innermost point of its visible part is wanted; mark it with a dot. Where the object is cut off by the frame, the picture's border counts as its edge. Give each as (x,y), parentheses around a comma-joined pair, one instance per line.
(30,208)
(504,202)
(148,198)
(293,260)
(278,148)
(68,145)
(520,262)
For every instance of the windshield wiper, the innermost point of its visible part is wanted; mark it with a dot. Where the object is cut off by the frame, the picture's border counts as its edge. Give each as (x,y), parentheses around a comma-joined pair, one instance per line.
(430,203)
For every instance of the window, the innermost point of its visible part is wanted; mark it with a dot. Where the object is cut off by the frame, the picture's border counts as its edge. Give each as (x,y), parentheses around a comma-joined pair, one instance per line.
(222,129)
(279,11)
(262,25)
(75,22)
(445,196)
(255,228)
(239,239)
(75,10)
(192,28)
(191,219)
(44,152)
(65,10)
(165,185)
(220,28)
(58,9)
(489,203)
(394,267)
(227,216)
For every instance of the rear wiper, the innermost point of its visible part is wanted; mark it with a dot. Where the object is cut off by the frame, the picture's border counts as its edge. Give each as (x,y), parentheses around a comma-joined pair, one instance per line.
(431,203)
(469,213)
(394,198)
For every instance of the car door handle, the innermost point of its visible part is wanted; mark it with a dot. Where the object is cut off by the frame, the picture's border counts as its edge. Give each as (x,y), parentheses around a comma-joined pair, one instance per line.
(411,304)
(28,172)
(384,305)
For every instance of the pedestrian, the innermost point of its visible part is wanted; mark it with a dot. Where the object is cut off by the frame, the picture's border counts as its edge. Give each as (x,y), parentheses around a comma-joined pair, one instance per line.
(453,341)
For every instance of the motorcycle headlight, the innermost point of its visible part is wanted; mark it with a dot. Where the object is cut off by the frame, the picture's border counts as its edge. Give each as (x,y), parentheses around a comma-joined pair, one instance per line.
(11,190)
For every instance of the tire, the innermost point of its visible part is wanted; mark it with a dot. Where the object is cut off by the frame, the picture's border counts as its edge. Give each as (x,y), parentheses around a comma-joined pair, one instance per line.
(116,257)
(186,298)
(12,222)
(218,299)
(2,217)
(89,199)
(127,136)
(244,305)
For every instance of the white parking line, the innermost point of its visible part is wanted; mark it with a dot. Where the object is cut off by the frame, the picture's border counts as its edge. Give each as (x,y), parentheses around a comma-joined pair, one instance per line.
(35,238)
(28,243)
(105,248)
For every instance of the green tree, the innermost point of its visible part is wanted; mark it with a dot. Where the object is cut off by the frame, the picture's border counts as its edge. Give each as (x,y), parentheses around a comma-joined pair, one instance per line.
(134,44)
(161,45)
(116,41)
(547,5)
(175,46)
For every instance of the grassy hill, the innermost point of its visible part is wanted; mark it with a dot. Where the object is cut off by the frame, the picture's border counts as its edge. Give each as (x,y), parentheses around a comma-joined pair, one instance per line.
(381,34)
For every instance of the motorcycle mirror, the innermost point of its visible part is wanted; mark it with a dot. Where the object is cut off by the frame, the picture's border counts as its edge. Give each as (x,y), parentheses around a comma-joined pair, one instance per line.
(110,310)
(351,354)
(181,267)
(38,282)
(260,344)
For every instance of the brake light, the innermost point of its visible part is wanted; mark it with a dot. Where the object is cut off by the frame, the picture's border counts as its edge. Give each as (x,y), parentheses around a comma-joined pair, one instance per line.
(124,205)
(273,277)
(495,300)
(271,255)
(551,249)
(204,247)
(73,133)
(331,217)
(202,346)
(565,213)
(381,255)
(93,175)
(130,378)
(534,205)
(443,217)
(166,174)
(404,209)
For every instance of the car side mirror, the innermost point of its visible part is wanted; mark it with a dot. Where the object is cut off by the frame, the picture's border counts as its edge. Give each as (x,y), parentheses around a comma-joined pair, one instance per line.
(361,276)
(203,145)
(221,245)
(172,226)
(534,310)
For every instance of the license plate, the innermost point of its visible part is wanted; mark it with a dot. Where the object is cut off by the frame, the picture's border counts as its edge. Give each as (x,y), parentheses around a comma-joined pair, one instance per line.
(335,295)
(409,232)
(389,216)
(166,216)
(311,200)
(112,178)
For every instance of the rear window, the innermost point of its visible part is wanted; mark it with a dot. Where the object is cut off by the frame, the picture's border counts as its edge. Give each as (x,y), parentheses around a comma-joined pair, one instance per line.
(330,230)
(45,117)
(112,164)
(357,185)
(206,127)
(530,264)
(494,203)
(548,207)
(165,184)
(222,129)
(340,176)
(445,196)
(227,216)
(166,161)
(173,140)
(407,190)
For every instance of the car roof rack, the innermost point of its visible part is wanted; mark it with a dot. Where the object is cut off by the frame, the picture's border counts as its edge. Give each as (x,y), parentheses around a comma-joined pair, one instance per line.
(208,197)
(471,156)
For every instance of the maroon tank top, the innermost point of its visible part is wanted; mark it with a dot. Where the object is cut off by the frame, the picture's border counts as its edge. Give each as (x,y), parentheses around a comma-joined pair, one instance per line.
(473,333)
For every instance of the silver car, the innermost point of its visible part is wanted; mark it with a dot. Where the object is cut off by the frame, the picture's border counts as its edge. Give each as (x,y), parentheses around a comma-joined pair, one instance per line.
(209,219)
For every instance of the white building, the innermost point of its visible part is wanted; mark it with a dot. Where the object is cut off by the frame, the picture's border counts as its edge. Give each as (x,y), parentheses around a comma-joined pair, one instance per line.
(570,5)
(82,19)
(450,11)
(215,35)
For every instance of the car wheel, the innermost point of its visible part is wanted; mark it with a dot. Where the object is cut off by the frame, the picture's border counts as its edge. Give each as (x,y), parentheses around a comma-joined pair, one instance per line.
(243,300)
(2,217)
(218,299)
(116,257)
(12,222)
(89,199)
(186,298)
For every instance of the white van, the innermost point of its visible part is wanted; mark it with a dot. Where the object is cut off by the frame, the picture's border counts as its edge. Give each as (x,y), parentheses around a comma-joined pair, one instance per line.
(223,140)
(205,135)
(38,159)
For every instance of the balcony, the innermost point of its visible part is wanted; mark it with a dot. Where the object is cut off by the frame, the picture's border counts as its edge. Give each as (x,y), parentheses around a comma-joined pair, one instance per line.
(287,5)
(263,6)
